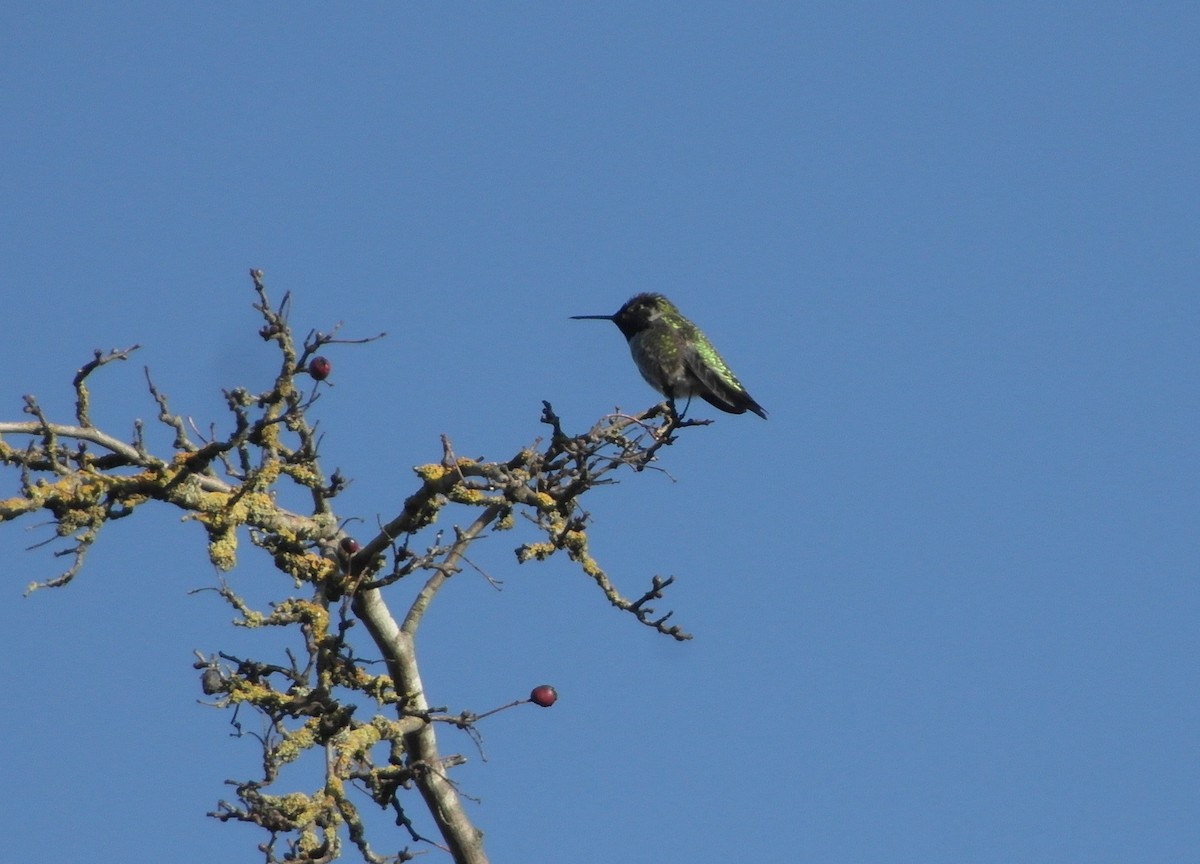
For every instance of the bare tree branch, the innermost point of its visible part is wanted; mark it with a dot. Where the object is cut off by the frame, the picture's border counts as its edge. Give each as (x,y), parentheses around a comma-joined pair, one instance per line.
(374,731)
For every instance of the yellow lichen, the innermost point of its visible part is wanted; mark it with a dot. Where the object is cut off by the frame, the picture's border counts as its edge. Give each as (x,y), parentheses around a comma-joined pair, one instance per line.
(305,474)
(378,687)
(296,742)
(267,474)
(305,611)
(575,542)
(353,745)
(462,495)
(296,807)
(241,690)
(305,566)
(10,508)
(540,551)
(222,549)
(430,473)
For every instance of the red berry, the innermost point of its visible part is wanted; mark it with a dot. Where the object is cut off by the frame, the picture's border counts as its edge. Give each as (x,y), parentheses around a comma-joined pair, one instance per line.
(543,695)
(349,545)
(319,367)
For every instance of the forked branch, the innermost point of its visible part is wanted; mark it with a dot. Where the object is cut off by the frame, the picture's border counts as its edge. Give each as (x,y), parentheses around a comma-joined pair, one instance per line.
(373,731)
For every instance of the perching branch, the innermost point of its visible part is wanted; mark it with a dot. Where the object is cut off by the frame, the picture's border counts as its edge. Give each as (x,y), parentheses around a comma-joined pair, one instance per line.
(373,730)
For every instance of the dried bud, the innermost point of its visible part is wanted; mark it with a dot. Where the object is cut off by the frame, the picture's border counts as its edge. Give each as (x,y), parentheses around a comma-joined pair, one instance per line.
(211,681)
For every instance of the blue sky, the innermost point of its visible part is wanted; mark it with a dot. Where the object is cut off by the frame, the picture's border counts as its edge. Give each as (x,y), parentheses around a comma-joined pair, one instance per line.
(944,599)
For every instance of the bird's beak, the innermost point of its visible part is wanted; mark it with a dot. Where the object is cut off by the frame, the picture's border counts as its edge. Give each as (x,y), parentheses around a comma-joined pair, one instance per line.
(592,317)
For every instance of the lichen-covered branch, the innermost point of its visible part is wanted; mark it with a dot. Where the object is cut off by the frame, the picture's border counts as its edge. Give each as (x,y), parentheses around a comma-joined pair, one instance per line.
(373,729)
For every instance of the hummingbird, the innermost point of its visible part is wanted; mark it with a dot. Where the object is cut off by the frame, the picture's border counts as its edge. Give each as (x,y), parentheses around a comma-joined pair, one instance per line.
(675,358)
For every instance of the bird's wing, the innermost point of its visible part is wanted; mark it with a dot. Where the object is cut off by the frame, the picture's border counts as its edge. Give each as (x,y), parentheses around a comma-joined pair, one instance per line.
(719,387)
(714,388)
